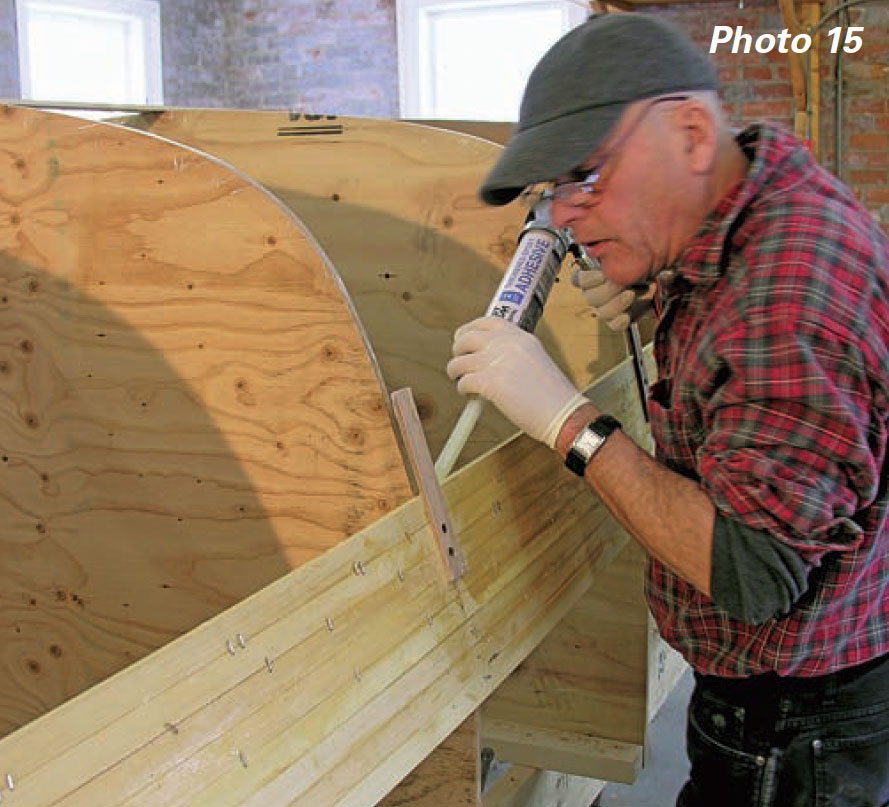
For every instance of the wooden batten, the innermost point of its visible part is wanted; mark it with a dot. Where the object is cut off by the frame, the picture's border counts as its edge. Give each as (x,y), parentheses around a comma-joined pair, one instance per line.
(333,683)
(565,752)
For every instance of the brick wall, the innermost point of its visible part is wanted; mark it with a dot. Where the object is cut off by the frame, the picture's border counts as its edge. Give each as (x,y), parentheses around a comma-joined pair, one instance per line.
(193,44)
(865,165)
(328,56)
(296,54)
(757,86)
(9,58)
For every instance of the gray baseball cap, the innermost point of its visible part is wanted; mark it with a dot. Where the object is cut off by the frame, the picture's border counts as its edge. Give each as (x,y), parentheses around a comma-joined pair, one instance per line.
(579,89)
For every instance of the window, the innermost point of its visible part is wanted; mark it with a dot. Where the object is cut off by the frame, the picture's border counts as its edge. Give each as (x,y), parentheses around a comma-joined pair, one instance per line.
(97,51)
(467,60)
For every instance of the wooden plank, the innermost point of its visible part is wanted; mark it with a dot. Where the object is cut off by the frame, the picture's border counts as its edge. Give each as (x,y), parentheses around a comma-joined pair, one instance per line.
(188,406)
(562,751)
(796,63)
(449,777)
(430,491)
(329,686)
(588,677)
(811,14)
(396,206)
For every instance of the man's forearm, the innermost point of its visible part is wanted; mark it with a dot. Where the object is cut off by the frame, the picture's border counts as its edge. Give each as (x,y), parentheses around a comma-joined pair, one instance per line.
(669,515)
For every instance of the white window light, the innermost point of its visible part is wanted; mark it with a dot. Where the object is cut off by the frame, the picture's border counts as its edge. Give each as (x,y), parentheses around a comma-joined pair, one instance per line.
(470,60)
(94,51)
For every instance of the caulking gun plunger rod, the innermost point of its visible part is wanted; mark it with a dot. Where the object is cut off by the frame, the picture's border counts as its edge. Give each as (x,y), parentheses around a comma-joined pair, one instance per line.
(519,298)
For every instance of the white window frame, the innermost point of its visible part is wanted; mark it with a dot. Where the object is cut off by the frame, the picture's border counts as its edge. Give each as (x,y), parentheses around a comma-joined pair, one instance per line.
(413,18)
(145,11)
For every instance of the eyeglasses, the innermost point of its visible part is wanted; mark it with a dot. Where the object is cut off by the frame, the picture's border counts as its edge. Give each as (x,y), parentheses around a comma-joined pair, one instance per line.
(584,191)
(588,186)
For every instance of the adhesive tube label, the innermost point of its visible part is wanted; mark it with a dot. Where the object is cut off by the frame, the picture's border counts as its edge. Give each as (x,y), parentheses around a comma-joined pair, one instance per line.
(528,280)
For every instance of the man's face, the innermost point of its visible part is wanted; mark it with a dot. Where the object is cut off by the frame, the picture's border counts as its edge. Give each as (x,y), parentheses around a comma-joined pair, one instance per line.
(623,203)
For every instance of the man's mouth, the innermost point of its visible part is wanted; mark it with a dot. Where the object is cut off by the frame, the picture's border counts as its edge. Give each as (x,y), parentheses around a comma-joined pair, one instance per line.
(595,248)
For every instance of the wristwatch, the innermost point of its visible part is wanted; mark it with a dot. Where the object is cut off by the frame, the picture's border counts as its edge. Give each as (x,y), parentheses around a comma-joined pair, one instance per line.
(588,441)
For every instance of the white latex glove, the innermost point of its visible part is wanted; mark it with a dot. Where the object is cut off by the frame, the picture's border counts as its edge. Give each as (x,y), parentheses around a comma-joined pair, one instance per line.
(617,305)
(509,367)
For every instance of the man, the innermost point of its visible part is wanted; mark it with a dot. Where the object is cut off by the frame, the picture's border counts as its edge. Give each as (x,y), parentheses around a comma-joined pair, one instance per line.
(764,512)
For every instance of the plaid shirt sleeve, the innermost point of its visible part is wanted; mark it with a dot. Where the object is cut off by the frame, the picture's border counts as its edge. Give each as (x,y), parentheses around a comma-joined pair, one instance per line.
(791,445)
(773,393)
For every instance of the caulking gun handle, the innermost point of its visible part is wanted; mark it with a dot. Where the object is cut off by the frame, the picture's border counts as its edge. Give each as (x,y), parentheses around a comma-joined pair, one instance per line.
(462,429)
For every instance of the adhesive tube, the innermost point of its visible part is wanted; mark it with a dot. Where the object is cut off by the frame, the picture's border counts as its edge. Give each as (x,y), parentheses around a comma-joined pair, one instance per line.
(522,293)
(519,298)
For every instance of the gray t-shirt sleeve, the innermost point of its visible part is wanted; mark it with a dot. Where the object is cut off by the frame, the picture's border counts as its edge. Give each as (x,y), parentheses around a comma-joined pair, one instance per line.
(754,576)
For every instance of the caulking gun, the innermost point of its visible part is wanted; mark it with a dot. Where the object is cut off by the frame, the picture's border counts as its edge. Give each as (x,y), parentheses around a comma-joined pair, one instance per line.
(520,298)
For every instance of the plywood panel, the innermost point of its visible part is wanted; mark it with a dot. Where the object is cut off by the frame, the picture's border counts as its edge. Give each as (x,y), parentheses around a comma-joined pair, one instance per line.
(588,678)
(188,407)
(330,685)
(495,131)
(395,205)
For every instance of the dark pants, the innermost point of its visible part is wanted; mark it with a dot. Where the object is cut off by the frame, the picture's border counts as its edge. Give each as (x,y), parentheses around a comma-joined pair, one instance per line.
(772,742)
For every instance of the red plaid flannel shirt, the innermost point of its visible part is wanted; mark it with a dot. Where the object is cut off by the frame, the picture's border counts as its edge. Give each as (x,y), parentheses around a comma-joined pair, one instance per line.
(773,364)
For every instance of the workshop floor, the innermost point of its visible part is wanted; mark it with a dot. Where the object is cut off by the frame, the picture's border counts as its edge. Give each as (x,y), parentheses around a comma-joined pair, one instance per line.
(666,764)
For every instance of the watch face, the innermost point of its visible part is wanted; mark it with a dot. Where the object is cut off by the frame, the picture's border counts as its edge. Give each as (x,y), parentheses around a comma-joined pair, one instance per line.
(582,449)
(588,441)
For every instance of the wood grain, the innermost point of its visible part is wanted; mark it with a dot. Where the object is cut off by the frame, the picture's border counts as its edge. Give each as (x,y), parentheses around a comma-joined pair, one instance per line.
(419,255)
(569,752)
(589,676)
(495,131)
(189,400)
(330,685)
(395,205)
(188,407)
(449,777)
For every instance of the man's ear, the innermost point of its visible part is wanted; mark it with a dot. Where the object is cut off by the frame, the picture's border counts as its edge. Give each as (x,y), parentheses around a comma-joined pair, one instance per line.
(698,130)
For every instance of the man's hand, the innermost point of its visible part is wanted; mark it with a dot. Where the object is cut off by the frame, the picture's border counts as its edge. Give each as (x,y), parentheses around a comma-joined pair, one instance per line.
(617,305)
(507,366)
